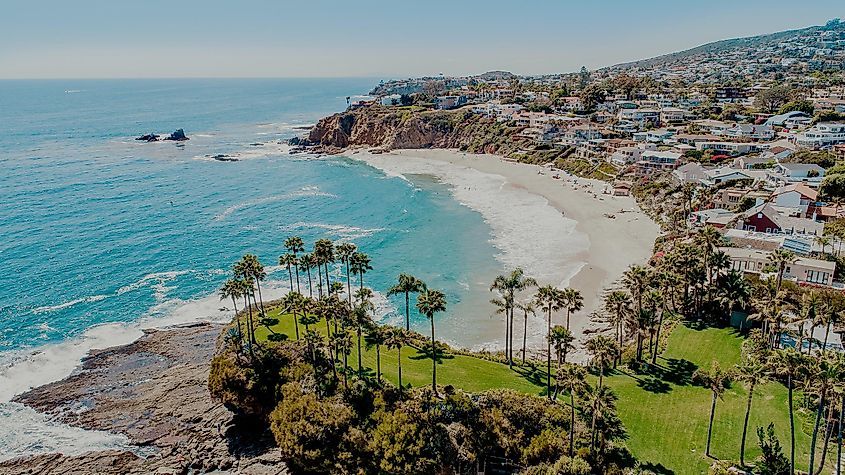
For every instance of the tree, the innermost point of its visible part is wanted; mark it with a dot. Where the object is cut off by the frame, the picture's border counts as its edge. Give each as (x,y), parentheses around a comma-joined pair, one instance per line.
(429,303)
(770,100)
(804,106)
(308,262)
(507,286)
(249,266)
(600,400)
(293,302)
(572,379)
(717,380)
(751,372)
(827,371)
(551,299)
(324,253)
(396,338)
(294,246)
(591,96)
(781,258)
(342,341)
(345,251)
(832,186)
(407,284)
(376,337)
(361,318)
(573,302)
(562,342)
(526,307)
(603,350)
(772,461)
(733,290)
(360,264)
(233,289)
(823,241)
(788,363)
(618,304)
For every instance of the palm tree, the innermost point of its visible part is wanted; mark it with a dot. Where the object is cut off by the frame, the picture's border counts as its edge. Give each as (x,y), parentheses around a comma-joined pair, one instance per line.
(345,251)
(507,286)
(308,262)
(360,264)
(636,280)
(573,379)
(430,302)
(295,245)
(788,362)
(603,350)
(248,291)
(781,258)
(397,338)
(600,399)
(503,306)
(361,317)
(324,253)
(526,307)
(342,340)
(717,380)
(293,301)
(708,239)
(618,305)
(562,342)
(551,299)
(233,289)
(827,371)
(573,302)
(288,261)
(250,266)
(733,290)
(751,372)
(376,337)
(407,284)
(822,241)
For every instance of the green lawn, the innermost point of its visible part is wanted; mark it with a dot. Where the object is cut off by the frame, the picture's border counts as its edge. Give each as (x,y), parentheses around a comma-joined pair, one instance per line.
(666,417)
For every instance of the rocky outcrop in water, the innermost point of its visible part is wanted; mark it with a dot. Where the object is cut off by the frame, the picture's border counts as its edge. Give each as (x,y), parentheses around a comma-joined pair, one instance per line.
(178,135)
(148,138)
(155,392)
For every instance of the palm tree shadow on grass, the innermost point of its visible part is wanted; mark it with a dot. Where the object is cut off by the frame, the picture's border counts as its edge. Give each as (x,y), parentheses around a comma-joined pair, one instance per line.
(424,353)
(657,469)
(533,375)
(676,371)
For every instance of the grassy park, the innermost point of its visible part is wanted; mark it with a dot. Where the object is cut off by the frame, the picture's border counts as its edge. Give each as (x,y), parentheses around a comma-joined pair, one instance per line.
(665,415)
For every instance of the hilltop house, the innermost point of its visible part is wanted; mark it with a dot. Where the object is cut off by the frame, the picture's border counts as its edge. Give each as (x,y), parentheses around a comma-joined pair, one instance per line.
(822,135)
(750,131)
(809,173)
(727,148)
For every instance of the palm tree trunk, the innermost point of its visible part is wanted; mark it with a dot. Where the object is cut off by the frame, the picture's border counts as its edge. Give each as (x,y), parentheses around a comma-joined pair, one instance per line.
(572,423)
(810,339)
(549,356)
(238,323)
(310,290)
(433,358)
(296,267)
(249,328)
(567,318)
(260,299)
(407,311)
(378,363)
(524,337)
(348,283)
(828,434)
(400,368)
(360,368)
(839,437)
(295,322)
(509,323)
(345,370)
(745,426)
(819,411)
(657,338)
(290,278)
(826,334)
(710,427)
(328,282)
(791,427)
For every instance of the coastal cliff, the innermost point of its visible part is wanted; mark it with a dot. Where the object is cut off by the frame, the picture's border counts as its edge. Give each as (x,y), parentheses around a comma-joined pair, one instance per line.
(411,127)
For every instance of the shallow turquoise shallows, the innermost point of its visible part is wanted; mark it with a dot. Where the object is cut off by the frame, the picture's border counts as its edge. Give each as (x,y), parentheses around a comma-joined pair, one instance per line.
(96,227)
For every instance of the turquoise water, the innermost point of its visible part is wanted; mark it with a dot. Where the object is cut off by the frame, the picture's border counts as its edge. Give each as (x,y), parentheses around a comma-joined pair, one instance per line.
(96,228)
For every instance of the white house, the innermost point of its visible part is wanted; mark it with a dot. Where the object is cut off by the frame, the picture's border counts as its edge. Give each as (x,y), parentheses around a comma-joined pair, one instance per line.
(822,135)
(809,173)
(796,195)
(750,131)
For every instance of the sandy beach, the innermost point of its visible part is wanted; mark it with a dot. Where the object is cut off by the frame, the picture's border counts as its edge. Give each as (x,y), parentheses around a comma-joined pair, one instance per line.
(576,245)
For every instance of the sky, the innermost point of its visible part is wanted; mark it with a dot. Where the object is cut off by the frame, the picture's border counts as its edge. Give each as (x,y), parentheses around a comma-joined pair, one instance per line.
(367,38)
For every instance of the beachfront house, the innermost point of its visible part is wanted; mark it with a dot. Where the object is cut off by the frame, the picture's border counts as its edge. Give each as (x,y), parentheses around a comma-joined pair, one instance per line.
(805,270)
(654,161)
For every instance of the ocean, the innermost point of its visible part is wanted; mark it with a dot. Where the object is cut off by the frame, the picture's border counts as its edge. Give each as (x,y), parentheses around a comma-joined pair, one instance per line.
(102,235)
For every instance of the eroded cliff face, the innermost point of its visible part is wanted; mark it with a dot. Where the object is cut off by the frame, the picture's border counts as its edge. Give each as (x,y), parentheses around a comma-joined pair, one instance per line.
(391,128)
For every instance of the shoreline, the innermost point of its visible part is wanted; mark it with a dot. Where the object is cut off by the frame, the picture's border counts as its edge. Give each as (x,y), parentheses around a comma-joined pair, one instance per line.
(611,244)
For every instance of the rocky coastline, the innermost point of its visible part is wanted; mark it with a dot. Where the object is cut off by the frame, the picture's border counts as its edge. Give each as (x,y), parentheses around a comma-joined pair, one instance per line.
(155,392)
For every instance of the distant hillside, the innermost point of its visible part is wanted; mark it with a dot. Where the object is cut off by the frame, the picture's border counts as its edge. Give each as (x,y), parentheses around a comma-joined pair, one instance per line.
(728,46)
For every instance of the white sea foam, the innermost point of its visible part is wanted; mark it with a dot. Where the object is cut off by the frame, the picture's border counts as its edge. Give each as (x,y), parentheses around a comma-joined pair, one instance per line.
(27,432)
(341,231)
(303,192)
(70,303)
